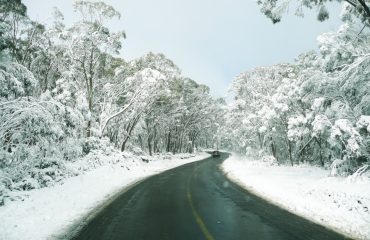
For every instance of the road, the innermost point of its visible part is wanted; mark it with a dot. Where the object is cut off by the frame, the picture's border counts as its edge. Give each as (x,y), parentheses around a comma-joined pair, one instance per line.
(196,201)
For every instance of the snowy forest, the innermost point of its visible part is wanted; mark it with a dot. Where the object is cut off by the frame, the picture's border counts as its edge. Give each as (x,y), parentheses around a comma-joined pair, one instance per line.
(65,91)
(315,110)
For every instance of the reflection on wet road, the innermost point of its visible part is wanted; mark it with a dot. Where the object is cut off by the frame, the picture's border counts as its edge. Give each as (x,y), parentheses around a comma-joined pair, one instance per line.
(196,201)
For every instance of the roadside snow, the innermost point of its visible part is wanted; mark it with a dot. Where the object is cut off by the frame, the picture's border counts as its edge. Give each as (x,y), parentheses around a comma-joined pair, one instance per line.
(336,202)
(48,212)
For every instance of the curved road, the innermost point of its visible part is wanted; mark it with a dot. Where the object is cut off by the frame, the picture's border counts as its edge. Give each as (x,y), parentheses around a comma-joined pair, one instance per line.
(196,201)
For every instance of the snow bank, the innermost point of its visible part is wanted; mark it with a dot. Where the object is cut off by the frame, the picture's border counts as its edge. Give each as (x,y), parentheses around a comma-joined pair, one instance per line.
(336,202)
(48,212)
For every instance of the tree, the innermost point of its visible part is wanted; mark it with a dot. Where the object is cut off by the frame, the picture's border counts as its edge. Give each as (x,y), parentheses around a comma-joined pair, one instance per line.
(274,9)
(138,91)
(86,46)
(11,15)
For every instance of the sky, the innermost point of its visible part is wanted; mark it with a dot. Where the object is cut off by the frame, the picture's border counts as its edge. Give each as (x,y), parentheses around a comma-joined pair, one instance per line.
(212,41)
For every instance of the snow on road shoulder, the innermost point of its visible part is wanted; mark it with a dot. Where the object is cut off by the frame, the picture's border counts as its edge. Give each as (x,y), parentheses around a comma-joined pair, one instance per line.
(335,202)
(45,213)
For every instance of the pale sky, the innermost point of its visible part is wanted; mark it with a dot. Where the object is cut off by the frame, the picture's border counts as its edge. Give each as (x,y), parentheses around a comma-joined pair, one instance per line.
(212,41)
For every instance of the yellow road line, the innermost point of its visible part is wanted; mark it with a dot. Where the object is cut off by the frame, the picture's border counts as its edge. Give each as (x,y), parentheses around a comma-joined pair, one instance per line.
(196,215)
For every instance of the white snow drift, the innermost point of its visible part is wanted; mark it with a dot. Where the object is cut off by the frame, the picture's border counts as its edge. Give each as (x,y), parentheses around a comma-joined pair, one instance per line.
(336,202)
(48,212)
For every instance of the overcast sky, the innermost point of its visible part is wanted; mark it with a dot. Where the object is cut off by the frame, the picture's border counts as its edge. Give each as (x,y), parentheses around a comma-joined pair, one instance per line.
(212,41)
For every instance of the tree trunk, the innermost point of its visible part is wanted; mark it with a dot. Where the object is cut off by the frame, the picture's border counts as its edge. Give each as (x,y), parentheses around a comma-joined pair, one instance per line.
(141,142)
(155,146)
(88,128)
(290,152)
(130,127)
(150,147)
(273,149)
(89,99)
(7,145)
(155,140)
(260,139)
(123,146)
(320,152)
(168,141)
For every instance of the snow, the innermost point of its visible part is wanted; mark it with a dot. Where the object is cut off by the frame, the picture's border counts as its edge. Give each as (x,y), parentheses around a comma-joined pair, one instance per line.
(320,124)
(317,103)
(48,213)
(338,203)
(364,122)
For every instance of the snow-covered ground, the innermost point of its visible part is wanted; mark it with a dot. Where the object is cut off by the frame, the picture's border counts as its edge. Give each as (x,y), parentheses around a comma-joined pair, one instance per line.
(49,212)
(336,202)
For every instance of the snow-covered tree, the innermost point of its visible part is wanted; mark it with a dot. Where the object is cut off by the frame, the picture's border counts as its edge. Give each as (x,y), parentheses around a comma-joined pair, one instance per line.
(275,9)
(86,45)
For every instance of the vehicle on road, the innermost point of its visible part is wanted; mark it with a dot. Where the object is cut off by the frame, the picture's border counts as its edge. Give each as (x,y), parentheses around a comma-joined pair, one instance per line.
(216,153)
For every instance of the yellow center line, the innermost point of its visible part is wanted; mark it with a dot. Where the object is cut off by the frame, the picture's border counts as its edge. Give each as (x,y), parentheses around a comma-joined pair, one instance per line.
(196,215)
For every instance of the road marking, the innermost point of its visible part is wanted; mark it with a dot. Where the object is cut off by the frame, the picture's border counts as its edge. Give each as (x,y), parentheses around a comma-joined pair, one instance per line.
(196,215)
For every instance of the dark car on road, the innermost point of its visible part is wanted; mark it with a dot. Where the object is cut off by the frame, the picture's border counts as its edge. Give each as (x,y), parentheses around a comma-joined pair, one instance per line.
(216,153)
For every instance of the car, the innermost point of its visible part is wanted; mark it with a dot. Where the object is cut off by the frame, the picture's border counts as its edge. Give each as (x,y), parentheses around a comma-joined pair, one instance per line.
(216,153)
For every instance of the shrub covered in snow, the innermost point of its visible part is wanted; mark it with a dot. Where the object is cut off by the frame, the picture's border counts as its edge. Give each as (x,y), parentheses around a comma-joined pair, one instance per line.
(93,143)
(37,136)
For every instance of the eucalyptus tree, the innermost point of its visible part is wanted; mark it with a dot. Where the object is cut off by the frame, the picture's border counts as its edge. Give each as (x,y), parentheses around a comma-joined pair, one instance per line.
(130,99)
(86,45)
(138,88)
(257,106)
(12,15)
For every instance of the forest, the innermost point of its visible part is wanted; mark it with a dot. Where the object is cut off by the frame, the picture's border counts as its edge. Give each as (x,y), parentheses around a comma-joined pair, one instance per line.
(315,110)
(64,91)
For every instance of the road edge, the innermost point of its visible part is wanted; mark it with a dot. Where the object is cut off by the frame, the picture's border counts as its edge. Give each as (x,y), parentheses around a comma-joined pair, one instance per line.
(282,206)
(72,230)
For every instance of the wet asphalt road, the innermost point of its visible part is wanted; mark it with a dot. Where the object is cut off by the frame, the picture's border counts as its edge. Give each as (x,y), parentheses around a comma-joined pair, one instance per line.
(196,201)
